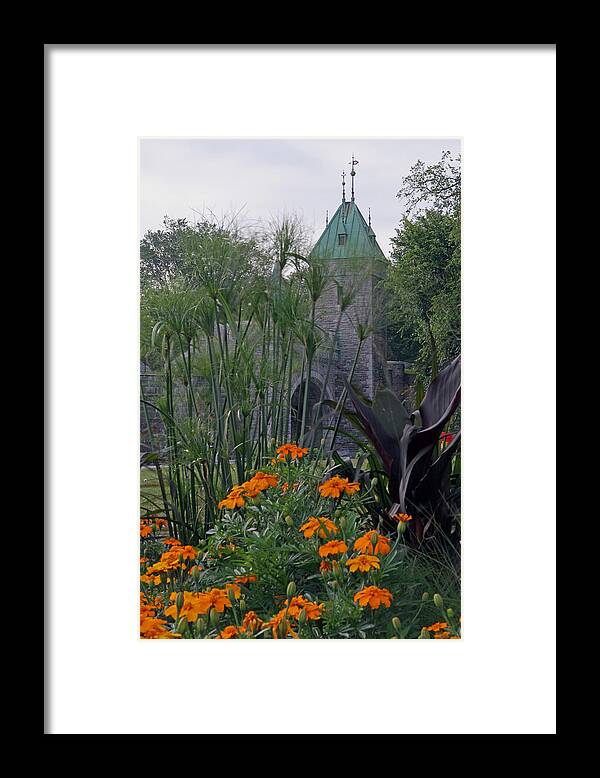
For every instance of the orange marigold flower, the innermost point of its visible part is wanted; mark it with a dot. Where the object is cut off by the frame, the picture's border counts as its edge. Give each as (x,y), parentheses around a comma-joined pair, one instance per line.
(363,563)
(336,486)
(251,622)
(194,605)
(323,525)
(439,625)
(299,604)
(229,632)
(154,628)
(444,635)
(161,523)
(237,592)
(364,544)
(324,567)
(171,542)
(143,560)
(332,548)
(187,552)
(373,596)
(291,450)
(145,530)
(245,579)
(280,626)
(402,517)
(260,482)
(147,579)
(285,486)
(234,499)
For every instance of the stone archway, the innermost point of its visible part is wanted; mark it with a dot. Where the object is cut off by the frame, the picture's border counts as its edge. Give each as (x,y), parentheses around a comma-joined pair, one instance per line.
(312,412)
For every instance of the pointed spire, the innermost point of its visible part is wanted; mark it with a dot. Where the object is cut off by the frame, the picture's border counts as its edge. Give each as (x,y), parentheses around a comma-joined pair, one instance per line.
(369,217)
(353,173)
(343,186)
(327,217)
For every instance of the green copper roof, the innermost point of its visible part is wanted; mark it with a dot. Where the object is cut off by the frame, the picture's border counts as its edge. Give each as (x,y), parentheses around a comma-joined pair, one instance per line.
(359,238)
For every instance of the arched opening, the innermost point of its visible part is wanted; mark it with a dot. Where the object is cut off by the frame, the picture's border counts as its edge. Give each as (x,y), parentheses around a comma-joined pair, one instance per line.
(312,413)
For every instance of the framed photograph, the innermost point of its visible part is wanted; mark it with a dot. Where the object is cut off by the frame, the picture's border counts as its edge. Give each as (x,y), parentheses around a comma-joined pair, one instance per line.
(295,294)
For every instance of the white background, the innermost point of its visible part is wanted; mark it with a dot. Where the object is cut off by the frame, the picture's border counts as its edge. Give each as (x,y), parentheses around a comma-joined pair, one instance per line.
(500,677)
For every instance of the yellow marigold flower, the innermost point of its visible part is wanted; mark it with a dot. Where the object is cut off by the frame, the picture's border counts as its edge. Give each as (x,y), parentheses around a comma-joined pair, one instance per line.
(363,563)
(402,517)
(336,486)
(323,525)
(364,544)
(245,579)
(332,548)
(291,450)
(373,596)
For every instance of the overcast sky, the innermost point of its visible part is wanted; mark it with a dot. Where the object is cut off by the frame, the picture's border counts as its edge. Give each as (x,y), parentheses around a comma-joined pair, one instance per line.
(266,177)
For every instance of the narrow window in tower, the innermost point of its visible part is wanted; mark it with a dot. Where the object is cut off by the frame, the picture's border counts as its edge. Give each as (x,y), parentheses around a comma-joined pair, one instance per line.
(341,239)
(340,292)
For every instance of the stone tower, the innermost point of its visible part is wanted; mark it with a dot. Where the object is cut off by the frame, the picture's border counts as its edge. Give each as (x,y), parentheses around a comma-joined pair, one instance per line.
(348,247)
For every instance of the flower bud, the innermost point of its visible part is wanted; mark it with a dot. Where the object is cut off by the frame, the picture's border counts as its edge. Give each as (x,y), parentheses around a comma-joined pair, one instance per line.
(396,624)
(343,522)
(401,528)
(374,482)
(437,601)
(282,629)
(196,573)
(214,617)
(289,521)
(179,601)
(302,618)
(291,589)
(243,605)
(181,626)
(450,612)
(374,538)
(425,596)
(231,595)
(424,633)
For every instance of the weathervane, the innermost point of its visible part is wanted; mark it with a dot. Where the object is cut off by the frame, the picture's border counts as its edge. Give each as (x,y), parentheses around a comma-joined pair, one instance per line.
(353,173)
(343,187)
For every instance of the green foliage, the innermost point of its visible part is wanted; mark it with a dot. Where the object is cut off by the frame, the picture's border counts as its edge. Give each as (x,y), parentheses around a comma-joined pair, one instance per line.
(263,539)
(423,280)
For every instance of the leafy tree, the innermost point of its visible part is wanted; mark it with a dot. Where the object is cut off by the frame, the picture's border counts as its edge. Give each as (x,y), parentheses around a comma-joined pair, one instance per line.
(424,276)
